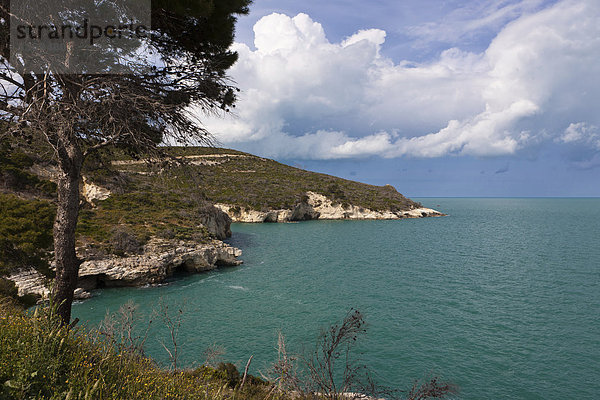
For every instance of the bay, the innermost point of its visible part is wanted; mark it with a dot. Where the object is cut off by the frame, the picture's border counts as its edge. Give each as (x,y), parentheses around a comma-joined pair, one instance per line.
(502,296)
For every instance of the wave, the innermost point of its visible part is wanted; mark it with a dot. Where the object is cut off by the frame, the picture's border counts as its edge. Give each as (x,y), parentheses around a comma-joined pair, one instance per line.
(238,288)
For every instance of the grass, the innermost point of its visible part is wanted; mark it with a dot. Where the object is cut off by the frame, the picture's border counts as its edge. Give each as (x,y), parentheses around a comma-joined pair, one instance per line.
(41,360)
(252,182)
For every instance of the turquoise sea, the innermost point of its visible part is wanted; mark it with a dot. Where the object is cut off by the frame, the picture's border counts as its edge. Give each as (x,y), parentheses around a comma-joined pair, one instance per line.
(502,296)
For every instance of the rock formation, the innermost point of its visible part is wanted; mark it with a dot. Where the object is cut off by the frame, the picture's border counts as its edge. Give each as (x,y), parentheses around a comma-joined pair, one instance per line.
(216,221)
(159,260)
(92,193)
(318,206)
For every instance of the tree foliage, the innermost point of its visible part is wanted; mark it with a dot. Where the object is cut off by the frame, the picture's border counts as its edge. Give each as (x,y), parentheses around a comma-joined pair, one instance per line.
(79,113)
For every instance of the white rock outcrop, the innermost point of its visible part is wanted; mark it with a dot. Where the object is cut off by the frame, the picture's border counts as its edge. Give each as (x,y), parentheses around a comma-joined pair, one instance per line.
(29,281)
(321,207)
(238,214)
(92,192)
(328,210)
(160,259)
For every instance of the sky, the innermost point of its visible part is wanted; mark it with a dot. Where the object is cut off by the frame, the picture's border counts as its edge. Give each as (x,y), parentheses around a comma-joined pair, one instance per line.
(437,98)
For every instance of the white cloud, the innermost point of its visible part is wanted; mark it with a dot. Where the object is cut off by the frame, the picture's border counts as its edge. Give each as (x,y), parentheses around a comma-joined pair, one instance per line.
(278,33)
(305,97)
(583,133)
(374,36)
(378,143)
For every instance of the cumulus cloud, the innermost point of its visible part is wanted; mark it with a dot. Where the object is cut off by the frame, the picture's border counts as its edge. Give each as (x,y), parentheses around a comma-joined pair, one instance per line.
(306,97)
(582,133)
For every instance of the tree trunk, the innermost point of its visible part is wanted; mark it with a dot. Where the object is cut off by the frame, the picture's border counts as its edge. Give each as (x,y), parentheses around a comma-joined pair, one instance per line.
(67,264)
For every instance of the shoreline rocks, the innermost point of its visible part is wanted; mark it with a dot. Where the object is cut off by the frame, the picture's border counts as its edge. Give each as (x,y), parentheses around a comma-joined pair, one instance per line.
(160,260)
(318,206)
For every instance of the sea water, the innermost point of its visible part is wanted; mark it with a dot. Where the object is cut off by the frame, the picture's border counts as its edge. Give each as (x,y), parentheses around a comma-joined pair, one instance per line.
(501,297)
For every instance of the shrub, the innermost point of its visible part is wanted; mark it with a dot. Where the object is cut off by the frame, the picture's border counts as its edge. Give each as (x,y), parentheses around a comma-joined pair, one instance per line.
(25,233)
(331,368)
(123,241)
(14,175)
(41,360)
(332,371)
(7,288)
(166,234)
(229,373)
(9,292)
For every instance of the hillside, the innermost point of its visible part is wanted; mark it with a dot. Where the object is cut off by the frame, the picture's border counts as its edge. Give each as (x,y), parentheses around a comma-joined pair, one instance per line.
(248,187)
(142,220)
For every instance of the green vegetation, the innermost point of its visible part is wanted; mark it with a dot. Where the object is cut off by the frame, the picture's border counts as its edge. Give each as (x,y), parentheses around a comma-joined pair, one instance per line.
(25,233)
(14,174)
(167,199)
(144,214)
(25,240)
(252,182)
(42,360)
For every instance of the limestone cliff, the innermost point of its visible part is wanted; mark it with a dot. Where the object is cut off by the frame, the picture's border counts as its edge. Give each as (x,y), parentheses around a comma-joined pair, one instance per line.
(159,260)
(317,206)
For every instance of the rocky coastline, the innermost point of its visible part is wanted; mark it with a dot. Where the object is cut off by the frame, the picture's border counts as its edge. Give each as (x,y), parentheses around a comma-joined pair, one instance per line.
(317,206)
(160,259)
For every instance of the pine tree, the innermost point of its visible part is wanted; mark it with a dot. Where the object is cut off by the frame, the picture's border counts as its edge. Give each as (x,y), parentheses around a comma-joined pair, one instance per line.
(183,65)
